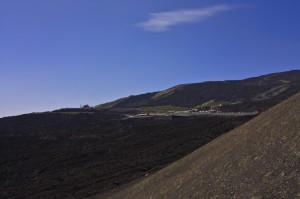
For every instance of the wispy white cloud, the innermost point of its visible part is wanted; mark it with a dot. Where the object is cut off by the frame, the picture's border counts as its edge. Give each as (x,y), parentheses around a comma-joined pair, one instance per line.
(162,21)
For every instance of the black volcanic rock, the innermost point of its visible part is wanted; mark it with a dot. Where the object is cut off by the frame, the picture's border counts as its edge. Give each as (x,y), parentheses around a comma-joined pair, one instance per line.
(76,155)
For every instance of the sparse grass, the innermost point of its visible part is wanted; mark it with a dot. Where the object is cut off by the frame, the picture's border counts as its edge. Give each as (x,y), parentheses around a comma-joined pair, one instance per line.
(168,91)
(210,103)
(74,113)
(271,93)
(162,93)
(164,108)
(110,104)
(285,81)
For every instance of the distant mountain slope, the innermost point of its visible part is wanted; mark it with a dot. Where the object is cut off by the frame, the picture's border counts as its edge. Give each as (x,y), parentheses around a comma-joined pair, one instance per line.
(249,92)
(260,159)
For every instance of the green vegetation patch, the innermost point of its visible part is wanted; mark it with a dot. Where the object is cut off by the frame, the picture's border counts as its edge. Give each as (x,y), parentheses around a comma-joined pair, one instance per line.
(163,108)
(168,92)
(285,81)
(210,103)
(111,104)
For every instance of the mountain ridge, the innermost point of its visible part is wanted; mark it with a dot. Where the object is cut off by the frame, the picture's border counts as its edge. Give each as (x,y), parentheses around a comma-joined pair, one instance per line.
(250,91)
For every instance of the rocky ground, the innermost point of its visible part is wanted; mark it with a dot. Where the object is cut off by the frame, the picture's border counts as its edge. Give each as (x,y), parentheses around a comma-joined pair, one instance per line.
(66,154)
(259,159)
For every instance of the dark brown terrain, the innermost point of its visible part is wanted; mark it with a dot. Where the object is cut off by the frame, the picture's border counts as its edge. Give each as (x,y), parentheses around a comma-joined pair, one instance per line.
(75,155)
(260,159)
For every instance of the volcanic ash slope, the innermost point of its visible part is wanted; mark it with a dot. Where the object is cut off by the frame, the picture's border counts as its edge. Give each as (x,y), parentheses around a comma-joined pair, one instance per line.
(260,159)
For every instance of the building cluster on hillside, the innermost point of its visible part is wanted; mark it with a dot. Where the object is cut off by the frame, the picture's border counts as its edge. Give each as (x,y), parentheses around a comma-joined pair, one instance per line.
(213,111)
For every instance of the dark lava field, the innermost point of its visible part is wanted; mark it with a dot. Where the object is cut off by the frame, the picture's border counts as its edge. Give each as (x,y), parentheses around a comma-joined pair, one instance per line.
(77,155)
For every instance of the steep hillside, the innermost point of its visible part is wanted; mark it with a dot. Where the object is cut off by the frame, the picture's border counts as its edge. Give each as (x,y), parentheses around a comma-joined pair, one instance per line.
(249,94)
(260,159)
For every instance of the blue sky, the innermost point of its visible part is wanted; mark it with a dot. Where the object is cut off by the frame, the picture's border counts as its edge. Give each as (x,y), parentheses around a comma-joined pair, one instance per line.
(63,53)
